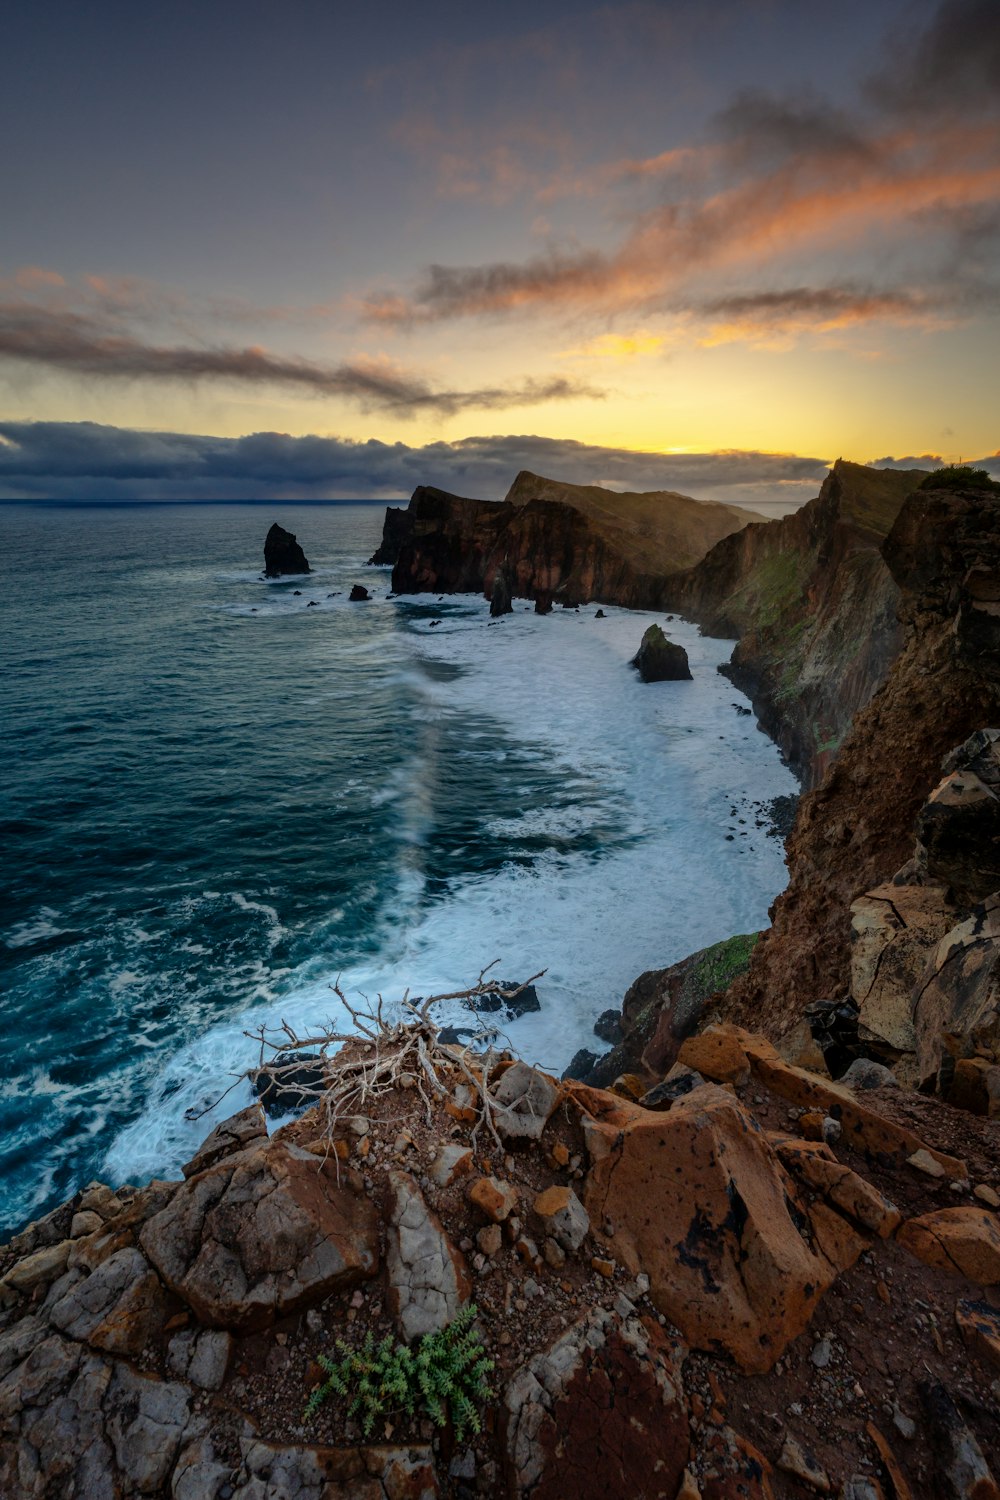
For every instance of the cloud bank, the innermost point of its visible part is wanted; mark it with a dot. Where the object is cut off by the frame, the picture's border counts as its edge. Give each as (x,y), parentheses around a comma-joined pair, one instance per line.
(87,461)
(70,341)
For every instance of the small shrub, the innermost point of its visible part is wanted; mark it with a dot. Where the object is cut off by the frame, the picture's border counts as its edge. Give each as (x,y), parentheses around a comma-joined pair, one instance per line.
(443,1374)
(959,477)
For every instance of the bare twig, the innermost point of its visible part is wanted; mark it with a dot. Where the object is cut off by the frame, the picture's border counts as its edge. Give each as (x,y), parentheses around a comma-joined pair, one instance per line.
(355,1069)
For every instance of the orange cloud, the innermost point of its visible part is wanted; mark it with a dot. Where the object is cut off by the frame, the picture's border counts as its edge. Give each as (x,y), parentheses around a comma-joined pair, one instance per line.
(31,278)
(619,346)
(762,219)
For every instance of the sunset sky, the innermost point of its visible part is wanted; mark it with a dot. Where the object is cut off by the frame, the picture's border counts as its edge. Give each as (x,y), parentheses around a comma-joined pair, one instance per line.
(318,249)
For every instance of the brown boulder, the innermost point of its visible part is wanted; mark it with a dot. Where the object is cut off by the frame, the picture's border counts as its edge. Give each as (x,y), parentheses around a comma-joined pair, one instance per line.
(965,1240)
(262,1234)
(715,1053)
(699,1201)
(730,1468)
(979,1325)
(600,1412)
(815,1165)
(894,930)
(863,1130)
(957,1007)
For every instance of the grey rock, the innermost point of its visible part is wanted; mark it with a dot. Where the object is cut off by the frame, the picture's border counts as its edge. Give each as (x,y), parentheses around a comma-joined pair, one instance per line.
(428,1279)
(200,1356)
(526,1099)
(865,1074)
(451,1162)
(117,1307)
(235,1134)
(146,1419)
(263,1233)
(821,1354)
(904,1425)
(569,1224)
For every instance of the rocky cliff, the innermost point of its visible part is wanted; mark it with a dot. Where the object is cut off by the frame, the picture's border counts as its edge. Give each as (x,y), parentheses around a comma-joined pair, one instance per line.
(814,606)
(856,829)
(575,543)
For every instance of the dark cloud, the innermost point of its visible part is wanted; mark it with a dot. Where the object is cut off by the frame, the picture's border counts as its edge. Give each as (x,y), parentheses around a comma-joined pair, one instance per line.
(83,460)
(459,291)
(73,342)
(761,128)
(935,461)
(820,304)
(952,66)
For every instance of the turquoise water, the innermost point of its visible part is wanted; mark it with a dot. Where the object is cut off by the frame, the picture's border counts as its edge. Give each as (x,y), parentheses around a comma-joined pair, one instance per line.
(217,798)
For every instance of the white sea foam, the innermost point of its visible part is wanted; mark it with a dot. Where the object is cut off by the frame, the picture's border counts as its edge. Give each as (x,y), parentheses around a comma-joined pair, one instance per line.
(634,873)
(40,929)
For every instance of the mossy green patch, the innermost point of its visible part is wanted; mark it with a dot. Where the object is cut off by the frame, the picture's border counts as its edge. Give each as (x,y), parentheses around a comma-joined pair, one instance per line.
(716,967)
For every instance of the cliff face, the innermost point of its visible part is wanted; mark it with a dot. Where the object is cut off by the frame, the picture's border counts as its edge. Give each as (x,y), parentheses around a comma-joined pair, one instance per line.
(575,542)
(814,606)
(856,828)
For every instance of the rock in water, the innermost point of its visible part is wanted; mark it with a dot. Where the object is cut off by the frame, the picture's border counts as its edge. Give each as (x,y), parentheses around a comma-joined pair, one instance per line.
(500,597)
(660,660)
(359,594)
(282,554)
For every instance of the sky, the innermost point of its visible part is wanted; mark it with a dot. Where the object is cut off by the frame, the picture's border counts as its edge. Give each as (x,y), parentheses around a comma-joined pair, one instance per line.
(322,250)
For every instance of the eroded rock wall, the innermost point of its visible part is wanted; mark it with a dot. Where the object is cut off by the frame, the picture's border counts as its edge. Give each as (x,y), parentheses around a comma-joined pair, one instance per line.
(855,830)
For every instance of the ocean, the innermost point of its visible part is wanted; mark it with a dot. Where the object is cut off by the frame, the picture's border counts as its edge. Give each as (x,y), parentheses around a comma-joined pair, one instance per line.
(222,793)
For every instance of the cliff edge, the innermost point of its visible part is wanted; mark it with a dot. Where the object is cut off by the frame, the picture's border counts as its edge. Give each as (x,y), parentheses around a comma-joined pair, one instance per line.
(573,542)
(814,606)
(855,830)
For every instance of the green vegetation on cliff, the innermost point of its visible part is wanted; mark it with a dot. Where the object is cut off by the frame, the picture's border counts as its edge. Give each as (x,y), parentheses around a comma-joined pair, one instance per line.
(959,477)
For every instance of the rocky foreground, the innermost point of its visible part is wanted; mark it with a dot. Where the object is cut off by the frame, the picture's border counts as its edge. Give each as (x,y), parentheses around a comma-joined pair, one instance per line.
(748,1282)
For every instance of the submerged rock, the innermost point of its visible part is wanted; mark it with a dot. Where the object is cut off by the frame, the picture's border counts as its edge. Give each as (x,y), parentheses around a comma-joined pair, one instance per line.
(660,660)
(282,554)
(290,1082)
(515,1000)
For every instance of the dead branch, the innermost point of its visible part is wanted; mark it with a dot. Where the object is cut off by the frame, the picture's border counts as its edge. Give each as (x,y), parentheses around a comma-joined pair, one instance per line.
(352,1070)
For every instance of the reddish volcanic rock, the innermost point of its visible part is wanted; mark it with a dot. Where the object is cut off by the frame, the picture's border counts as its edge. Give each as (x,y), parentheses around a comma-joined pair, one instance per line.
(697,1199)
(599,1413)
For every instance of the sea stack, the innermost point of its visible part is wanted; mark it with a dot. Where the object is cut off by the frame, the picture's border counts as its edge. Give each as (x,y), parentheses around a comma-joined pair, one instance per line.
(500,597)
(282,554)
(660,660)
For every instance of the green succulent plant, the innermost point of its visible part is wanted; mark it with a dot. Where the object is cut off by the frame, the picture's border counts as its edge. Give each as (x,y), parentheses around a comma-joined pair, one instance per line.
(444,1375)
